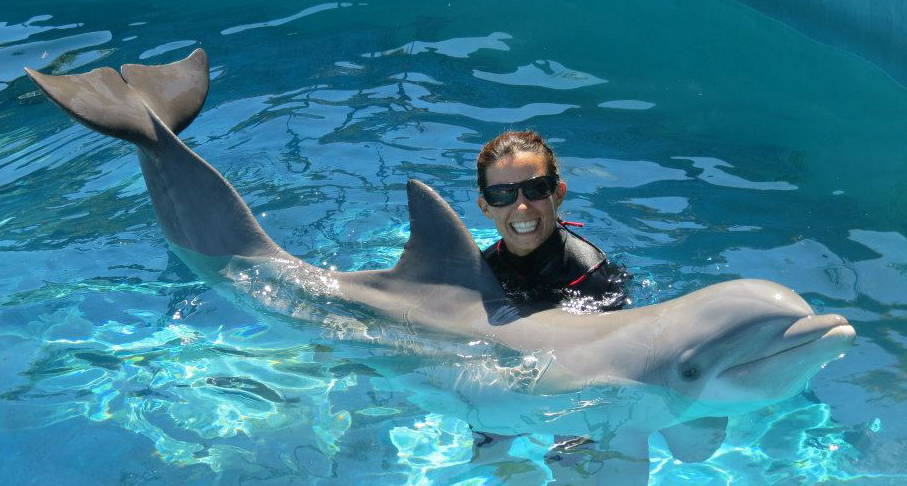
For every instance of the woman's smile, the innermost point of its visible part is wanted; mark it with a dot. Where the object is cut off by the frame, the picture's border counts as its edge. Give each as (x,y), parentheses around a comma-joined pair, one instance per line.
(524,227)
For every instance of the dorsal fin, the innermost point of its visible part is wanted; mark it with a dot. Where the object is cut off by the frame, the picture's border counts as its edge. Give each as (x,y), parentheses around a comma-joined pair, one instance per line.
(440,249)
(440,252)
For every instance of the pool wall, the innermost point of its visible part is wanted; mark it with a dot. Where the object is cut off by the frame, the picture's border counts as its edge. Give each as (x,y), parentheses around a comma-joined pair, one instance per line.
(872,29)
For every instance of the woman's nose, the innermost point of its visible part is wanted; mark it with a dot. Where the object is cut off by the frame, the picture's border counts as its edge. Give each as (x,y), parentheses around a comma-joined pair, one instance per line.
(522,202)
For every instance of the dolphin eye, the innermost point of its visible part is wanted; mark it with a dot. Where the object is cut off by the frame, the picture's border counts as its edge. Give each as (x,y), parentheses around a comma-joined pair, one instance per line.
(689,373)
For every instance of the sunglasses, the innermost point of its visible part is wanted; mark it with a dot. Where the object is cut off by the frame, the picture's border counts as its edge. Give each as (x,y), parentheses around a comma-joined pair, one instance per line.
(506,194)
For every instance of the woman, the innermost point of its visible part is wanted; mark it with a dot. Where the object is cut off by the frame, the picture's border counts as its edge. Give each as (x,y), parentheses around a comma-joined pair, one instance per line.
(537,258)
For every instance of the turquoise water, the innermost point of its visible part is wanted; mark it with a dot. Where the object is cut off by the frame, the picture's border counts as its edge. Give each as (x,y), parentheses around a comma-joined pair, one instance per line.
(700,143)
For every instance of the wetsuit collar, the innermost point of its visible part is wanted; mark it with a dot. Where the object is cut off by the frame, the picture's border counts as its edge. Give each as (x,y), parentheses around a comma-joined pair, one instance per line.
(553,245)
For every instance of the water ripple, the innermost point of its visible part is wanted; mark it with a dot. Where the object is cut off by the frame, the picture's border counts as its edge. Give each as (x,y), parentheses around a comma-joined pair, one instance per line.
(664,204)
(588,175)
(170,46)
(272,23)
(627,104)
(545,74)
(713,175)
(882,278)
(57,53)
(460,47)
(18,32)
(806,266)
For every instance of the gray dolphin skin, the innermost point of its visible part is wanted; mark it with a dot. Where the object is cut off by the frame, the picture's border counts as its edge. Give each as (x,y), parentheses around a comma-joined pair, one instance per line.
(679,367)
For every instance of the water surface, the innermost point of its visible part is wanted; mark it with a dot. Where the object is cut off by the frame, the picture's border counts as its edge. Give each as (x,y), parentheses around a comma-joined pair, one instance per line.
(700,143)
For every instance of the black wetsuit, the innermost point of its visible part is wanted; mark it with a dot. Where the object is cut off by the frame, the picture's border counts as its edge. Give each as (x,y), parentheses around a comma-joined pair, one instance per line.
(564,266)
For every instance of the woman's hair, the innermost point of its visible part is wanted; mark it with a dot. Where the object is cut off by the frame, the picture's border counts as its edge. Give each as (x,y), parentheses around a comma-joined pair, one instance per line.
(507,144)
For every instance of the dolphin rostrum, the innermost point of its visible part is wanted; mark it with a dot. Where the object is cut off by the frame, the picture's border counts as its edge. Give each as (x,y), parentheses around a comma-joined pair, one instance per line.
(679,367)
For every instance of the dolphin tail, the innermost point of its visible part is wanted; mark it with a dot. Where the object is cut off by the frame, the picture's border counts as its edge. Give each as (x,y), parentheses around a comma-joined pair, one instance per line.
(197,208)
(124,106)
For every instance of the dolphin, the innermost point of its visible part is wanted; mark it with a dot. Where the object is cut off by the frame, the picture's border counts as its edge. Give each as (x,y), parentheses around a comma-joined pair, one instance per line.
(679,367)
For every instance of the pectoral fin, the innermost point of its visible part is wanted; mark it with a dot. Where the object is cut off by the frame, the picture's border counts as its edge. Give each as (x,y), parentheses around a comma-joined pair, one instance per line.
(696,440)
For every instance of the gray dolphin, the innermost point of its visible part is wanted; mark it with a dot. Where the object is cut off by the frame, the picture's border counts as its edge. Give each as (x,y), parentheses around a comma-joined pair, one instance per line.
(679,367)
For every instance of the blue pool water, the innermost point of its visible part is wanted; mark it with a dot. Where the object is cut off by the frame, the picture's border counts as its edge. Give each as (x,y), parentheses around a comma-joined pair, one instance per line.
(701,142)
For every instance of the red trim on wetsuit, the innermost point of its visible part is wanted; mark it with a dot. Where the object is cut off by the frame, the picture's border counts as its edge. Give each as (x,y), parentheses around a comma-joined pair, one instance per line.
(584,276)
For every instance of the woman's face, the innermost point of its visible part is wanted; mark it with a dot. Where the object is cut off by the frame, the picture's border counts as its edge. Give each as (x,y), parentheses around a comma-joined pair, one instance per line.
(525,224)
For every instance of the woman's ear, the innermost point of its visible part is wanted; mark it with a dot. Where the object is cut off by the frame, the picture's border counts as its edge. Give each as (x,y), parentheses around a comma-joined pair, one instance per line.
(559,192)
(483,206)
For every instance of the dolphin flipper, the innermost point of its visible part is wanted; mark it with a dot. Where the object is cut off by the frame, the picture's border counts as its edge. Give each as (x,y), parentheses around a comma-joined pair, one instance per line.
(197,208)
(696,440)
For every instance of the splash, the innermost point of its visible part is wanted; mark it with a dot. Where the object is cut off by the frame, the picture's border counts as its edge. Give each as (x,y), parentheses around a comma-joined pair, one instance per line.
(431,445)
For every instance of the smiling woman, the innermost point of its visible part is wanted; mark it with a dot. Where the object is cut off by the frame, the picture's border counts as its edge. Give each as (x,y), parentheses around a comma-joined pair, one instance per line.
(538,259)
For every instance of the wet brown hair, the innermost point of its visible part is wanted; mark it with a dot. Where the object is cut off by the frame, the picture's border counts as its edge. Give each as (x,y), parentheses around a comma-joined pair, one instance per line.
(507,144)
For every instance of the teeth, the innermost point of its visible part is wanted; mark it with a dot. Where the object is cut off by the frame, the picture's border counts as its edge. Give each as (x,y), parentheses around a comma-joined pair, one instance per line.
(524,226)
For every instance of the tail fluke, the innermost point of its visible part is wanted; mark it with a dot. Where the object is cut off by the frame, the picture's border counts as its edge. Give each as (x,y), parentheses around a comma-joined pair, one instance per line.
(147,105)
(175,92)
(123,106)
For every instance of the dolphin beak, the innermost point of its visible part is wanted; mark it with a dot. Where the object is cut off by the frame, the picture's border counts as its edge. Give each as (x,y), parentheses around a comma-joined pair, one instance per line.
(812,327)
(809,342)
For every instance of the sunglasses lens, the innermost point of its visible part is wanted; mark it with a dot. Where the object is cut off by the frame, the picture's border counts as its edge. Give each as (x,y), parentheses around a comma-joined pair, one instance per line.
(501,194)
(506,194)
(537,188)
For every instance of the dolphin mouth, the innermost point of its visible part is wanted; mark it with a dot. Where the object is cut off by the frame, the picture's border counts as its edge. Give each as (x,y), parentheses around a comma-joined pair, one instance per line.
(830,333)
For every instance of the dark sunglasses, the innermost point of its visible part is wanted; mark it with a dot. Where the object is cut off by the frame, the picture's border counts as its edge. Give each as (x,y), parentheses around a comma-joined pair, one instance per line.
(506,194)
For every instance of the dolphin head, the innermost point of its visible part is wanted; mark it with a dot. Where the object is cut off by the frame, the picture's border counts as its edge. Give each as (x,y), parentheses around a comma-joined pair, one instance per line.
(741,345)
